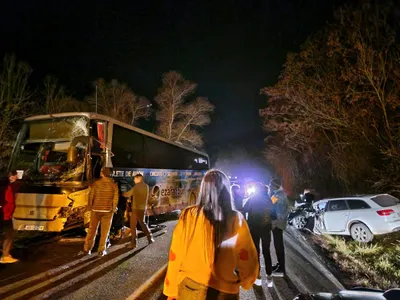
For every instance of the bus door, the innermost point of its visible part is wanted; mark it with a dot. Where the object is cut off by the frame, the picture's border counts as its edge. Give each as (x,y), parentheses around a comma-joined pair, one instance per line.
(98,148)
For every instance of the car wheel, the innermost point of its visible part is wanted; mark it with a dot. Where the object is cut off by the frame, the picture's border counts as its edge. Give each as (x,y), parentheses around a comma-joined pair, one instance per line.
(299,222)
(361,233)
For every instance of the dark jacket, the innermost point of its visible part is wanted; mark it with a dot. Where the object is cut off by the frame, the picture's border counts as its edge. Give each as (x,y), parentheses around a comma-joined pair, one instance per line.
(238,201)
(258,207)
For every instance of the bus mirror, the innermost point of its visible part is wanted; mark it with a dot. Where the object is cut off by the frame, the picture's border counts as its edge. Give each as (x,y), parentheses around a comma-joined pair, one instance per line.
(72,154)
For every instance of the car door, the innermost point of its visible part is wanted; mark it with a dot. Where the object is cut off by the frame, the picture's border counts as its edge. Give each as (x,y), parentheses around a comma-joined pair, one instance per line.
(336,216)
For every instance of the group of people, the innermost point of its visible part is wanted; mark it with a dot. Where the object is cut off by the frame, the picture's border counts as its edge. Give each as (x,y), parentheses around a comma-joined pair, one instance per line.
(103,204)
(215,250)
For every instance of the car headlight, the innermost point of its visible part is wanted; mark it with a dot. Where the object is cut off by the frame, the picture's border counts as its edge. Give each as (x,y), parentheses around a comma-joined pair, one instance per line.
(251,190)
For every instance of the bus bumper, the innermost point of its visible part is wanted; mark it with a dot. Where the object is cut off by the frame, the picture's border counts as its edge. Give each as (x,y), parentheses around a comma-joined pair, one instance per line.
(56,225)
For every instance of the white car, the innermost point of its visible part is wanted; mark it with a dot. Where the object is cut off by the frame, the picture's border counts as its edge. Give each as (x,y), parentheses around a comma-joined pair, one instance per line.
(362,217)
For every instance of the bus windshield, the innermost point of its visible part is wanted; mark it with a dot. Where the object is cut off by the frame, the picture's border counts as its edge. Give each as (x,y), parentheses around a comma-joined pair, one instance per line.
(43,149)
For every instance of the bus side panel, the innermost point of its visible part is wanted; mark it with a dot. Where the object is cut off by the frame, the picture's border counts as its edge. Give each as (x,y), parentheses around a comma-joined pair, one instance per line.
(169,190)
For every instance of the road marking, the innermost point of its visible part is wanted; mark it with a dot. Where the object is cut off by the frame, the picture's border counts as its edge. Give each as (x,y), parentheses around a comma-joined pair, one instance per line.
(150,282)
(85,275)
(44,283)
(55,271)
(79,278)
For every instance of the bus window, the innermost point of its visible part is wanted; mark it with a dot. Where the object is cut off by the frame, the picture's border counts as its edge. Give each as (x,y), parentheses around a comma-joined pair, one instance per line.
(160,155)
(163,155)
(127,147)
(42,149)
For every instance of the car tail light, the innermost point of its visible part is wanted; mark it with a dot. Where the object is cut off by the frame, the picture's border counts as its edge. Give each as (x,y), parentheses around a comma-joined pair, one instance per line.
(385,212)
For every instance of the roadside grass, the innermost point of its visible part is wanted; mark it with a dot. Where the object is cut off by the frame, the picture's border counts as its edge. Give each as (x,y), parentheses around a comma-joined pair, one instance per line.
(372,265)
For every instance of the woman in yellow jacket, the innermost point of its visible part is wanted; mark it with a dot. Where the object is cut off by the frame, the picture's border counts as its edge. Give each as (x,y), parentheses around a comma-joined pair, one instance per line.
(212,253)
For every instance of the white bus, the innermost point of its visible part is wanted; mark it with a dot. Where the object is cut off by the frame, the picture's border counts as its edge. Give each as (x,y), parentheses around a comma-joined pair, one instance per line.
(58,156)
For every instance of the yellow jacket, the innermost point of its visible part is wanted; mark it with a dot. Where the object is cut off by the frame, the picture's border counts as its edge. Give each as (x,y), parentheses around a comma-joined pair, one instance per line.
(192,254)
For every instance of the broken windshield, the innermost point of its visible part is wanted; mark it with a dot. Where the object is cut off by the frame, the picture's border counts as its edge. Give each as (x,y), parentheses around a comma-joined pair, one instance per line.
(52,150)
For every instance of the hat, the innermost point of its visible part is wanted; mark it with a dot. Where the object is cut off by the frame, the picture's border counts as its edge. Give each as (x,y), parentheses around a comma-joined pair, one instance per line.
(275,183)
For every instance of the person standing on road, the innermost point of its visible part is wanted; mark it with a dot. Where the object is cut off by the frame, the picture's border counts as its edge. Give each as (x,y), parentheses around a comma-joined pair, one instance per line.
(103,200)
(279,216)
(237,197)
(212,253)
(140,194)
(8,196)
(259,207)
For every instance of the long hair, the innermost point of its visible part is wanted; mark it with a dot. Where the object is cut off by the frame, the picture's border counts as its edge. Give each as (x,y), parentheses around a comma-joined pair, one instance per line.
(215,200)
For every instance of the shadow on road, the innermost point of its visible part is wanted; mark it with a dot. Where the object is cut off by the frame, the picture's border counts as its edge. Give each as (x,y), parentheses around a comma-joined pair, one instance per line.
(81,264)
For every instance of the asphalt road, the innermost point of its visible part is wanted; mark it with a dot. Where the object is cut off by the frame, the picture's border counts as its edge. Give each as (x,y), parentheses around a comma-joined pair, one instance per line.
(56,271)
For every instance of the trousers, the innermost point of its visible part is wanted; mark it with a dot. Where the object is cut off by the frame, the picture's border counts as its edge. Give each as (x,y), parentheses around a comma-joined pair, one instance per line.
(263,234)
(96,218)
(137,216)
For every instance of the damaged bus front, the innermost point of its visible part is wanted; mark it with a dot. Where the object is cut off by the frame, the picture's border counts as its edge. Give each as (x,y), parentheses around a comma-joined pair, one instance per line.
(53,158)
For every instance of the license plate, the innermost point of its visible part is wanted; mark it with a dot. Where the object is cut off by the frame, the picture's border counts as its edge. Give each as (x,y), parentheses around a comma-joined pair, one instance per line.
(34,227)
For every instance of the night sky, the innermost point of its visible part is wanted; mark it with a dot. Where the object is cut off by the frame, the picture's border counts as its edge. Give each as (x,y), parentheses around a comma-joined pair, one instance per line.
(230,48)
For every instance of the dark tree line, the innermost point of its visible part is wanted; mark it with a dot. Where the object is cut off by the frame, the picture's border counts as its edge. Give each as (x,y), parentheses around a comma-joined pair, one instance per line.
(333,117)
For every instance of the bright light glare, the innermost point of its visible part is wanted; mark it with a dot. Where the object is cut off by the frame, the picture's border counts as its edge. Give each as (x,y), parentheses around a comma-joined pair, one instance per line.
(251,190)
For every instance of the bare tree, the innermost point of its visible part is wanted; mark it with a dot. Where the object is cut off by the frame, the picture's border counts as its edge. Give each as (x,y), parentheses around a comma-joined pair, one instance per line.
(57,100)
(117,100)
(335,107)
(177,116)
(14,99)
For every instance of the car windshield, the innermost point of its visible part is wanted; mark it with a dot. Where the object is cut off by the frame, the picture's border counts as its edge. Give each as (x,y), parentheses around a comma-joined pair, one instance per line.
(43,148)
(385,200)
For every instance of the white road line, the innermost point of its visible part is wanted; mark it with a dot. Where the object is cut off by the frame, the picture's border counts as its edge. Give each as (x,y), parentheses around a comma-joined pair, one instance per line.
(52,272)
(44,283)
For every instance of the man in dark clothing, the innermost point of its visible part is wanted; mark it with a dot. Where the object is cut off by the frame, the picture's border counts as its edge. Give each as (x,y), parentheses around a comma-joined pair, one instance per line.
(280,212)
(309,197)
(259,207)
(237,197)
(7,204)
